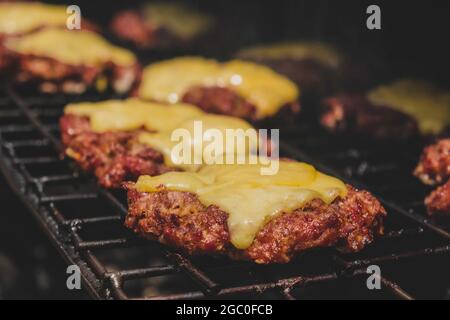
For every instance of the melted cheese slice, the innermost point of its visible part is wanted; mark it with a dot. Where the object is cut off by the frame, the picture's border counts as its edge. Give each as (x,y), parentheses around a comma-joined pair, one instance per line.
(71,47)
(429,106)
(132,114)
(322,53)
(169,80)
(161,121)
(250,199)
(197,145)
(177,18)
(20,18)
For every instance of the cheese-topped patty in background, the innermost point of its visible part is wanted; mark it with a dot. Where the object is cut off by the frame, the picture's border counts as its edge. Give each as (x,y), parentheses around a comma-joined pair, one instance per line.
(400,110)
(314,66)
(428,105)
(161,25)
(72,61)
(176,137)
(234,88)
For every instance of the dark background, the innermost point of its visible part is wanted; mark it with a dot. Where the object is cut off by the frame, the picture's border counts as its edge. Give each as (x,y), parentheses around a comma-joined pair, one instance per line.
(413,40)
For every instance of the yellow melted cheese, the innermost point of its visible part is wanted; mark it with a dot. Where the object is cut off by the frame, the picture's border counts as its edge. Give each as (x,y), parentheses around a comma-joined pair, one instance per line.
(20,18)
(71,47)
(250,199)
(177,18)
(164,142)
(169,80)
(132,114)
(322,53)
(160,120)
(429,106)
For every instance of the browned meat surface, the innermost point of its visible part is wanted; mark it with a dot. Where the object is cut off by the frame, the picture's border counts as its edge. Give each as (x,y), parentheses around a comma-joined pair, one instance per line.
(434,164)
(180,220)
(114,157)
(225,101)
(438,202)
(220,100)
(434,169)
(130,26)
(355,114)
(51,76)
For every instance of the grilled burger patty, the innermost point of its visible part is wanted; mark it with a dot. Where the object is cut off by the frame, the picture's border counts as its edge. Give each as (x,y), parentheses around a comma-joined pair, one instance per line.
(160,25)
(22,18)
(114,157)
(312,66)
(354,113)
(179,219)
(402,109)
(434,169)
(120,140)
(434,164)
(51,75)
(438,202)
(234,88)
(129,25)
(96,64)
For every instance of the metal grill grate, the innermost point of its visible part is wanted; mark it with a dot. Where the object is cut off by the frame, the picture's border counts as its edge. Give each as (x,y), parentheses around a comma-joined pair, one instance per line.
(85,223)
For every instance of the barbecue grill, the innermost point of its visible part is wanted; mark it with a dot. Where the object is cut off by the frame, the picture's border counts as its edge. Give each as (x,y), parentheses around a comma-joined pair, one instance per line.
(85,221)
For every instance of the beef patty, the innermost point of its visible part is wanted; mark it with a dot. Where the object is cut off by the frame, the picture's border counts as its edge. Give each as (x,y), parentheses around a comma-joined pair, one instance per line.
(129,25)
(355,114)
(114,157)
(438,202)
(179,219)
(434,164)
(50,75)
(434,169)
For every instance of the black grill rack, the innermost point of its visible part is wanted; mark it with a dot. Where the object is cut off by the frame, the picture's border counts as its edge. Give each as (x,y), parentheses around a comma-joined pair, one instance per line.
(84,222)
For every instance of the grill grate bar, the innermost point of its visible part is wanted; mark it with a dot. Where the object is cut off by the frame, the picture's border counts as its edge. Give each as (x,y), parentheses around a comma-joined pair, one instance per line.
(395,288)
(400,256)
(195,273)
(66,197)
(27,143)
(145,272)
(403,233)
(97,244)
(56,178)
(16,128)
(94,220)
(48,160)
(392,286)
